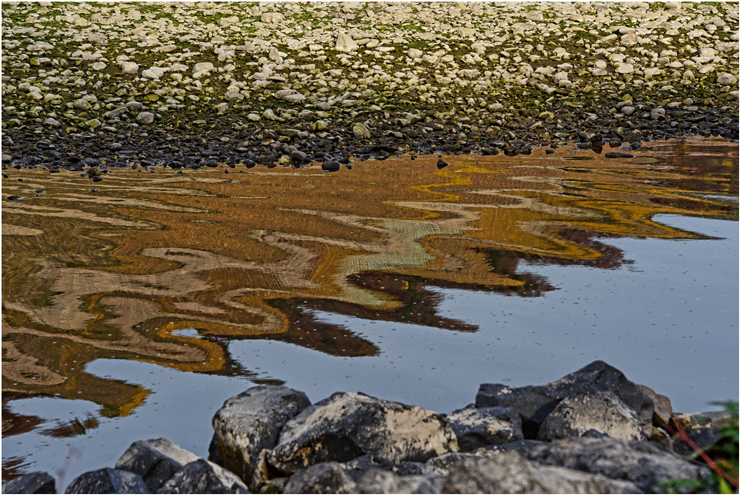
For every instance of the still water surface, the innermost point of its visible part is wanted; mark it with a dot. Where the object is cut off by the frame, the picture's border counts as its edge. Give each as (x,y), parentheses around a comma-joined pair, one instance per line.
(135,311)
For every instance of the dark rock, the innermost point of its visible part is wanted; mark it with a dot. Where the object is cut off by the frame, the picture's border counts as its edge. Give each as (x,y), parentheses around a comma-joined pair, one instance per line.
(503,447)
(663,408)
(202,476)
(636,145)
(441,164)
(594,434)
(615,143)
(413,468)
(704,438)
(534,403)
(510,472)
(549,152)
(642,463)
(349,425)
(368,461)
(382,481)
(155,461)
(616,154)
(250,422)
(600,410)
(108,480)
(330,166)
(326,477)
(478,427)
(38,482)
(299,157)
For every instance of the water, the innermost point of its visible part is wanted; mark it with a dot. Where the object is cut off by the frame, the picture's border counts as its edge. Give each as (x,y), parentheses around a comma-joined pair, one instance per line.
(135,312)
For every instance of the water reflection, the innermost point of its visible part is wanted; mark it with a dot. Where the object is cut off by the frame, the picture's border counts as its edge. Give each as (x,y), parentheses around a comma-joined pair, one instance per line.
(133,270)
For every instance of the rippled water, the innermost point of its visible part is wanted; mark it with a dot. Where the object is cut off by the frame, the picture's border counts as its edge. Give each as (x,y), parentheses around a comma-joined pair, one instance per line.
(133,312)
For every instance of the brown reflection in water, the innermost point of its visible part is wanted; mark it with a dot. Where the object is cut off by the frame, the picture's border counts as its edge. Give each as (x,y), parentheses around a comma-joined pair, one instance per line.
(115,273)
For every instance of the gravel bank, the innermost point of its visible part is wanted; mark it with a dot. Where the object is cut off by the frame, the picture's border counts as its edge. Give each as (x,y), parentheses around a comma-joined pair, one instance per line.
(198,84)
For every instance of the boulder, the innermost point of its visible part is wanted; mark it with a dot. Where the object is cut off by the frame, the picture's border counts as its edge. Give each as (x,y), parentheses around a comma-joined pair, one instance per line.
(534,403)
(107,480)
(250,422)
(38,482)
(591,410)
(326,477)
(155,460)
(478,427)
(663,407)
(641,463)
(509,472)
(349,425)
(382,481)
(202,476)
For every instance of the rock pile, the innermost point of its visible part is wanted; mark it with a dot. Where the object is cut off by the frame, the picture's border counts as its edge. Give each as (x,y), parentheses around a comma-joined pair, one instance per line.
(363,79)
(592,431)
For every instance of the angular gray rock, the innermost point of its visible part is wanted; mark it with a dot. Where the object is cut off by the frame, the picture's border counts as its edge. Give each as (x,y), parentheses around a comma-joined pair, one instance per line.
(202,476)
(250,422)
(381,481)
(598,410)
(534,403)
(641,463)
(107,480)
(478,427)
(155,460)
(509,472)
(349,425)
(663,407)
(326,477)
(38,482)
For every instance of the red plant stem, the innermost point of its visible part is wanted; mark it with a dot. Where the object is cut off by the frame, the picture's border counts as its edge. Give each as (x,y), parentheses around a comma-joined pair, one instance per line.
(703,455)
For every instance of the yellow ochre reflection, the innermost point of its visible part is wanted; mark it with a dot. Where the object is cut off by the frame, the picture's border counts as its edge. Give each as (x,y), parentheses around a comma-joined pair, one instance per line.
(116,273)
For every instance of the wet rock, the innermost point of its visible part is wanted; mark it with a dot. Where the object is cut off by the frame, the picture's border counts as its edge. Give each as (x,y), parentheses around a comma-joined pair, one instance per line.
(107,480)
(599,410)
(349,425)
(510,472)
(617,154)
(441,164)
(202,476)
(641,463)
(330,166)
(38,482)
(156,460)
(250,422)
(478,427)
(327,477)
(535,403)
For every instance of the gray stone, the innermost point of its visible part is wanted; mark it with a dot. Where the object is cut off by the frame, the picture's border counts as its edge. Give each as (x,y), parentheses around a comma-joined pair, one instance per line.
(202,476)
(349,425)
(326,477)
(663,408)
(129,67)
(509,472)
(156,460)
(52,122)
(534,403)
(38,482)
(250,422)
(726,79)
(478,427)
(383,481)
(598,410)
(415,53)
(202,67)
(628,110)
(641,463)
(145,118)
(107,480)
(345,43)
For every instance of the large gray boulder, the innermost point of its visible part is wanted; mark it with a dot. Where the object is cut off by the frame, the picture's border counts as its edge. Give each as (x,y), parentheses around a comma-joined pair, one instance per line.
(155,460)
(591,410)
(535,403)
(642,463)
(349,425)
(107,480)
(38,482)
(479,427)
(249,423)
(509,472)
(202,476)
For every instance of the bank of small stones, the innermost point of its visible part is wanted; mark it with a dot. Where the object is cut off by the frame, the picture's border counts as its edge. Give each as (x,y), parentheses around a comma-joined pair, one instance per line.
(592,431)
(204,84)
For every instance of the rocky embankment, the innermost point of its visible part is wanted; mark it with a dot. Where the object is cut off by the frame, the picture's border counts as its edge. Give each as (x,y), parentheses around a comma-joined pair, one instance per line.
(592,431)
(190,85)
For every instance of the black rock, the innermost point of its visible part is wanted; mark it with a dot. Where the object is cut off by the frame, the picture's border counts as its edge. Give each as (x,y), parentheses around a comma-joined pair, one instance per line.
(549,152)
(97,178)
(441,164)
(14,198)
(6,176)
(616,154)
(327,477)
(202,476)
(156,461)
(330,166)
(108,480)
(38,482)
(636,145)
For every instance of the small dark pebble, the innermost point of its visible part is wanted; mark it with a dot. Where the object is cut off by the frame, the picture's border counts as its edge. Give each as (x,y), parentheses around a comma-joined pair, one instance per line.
(441,164)
(615,154)
(94,190)
(39,191)
(6,176)
(549,152)
(97,178)
(330,166)
(14,198)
